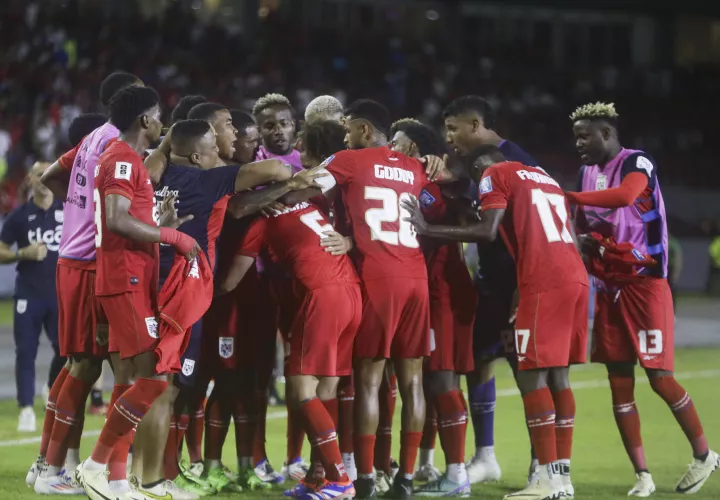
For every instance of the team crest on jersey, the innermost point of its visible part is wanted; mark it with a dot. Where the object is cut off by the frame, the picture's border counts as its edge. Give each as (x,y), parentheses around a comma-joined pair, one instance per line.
(226,347)
(637,254)
(188,367)
(21,306)
(123,170)
(59,216)
(486,185)
(327,161)
(644,164)
(152,327)
(426,199)
(601,182)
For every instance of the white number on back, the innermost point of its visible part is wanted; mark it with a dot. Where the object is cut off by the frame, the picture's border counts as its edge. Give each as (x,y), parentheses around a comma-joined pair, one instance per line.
(98,218)
(391,211)
(543,202)
(315,221)
(522,337)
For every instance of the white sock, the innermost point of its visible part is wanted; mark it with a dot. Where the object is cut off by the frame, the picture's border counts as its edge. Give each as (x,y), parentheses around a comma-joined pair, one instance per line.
(213,464)
(427,457)
(49,471)
(91,464)
(244,462)
(72,459)
(457,473)
(485,452)
(119,486)
(349,464)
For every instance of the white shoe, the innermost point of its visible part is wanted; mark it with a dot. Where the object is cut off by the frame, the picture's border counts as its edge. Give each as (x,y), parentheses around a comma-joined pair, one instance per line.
(27,421)
(383,482)
(547,487)
(428,473)
(34,471)
(533,472)
(95,482)
(175,491)
(196,469)
(483,467)
(264,471)
(296,470)
(644,486)
(698,472)
(57,485)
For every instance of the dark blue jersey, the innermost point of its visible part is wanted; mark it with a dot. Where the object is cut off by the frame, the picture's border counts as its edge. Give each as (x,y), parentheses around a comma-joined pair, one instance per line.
(30,224)
(196,192)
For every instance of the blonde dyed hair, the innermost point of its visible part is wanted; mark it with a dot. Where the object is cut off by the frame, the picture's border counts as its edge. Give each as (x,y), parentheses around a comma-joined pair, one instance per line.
(594,111)
(268,101)
(322,108)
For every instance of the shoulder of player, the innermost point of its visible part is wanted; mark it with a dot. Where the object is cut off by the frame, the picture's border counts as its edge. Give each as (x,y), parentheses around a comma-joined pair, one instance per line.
(639,161)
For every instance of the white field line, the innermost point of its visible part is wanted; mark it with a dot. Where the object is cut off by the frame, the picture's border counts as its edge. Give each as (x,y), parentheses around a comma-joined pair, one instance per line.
(586,384)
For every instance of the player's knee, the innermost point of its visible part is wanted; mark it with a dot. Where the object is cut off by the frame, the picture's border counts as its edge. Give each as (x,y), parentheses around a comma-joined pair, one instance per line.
(531,380)
(327,388)
(559,379)
(484,371)
(621,369)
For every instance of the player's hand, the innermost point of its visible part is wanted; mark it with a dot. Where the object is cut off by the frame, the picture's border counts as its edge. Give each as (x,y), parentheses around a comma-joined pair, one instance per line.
(307,178)
(165,143)
(35,252)
(416,217)
(167,213)
(335,243)
(194,252)
(437,168)
(181,242)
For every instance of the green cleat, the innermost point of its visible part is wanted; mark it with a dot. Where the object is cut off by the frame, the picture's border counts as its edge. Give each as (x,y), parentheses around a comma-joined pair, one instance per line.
(219,480)
(444,487)
(194,487)
(249,480)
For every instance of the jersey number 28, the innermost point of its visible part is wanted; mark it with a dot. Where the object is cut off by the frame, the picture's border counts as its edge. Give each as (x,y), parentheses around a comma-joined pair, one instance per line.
(391,211)
(546,204)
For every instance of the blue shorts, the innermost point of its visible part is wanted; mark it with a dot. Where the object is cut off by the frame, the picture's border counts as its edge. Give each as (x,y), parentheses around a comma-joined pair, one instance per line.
(191,359)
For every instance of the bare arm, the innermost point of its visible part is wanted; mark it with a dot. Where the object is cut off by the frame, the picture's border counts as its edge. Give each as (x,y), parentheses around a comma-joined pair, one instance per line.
(484,230)
(36,252)
(119,221)
(57,180)
(241,265)
(157,161)
(261,172)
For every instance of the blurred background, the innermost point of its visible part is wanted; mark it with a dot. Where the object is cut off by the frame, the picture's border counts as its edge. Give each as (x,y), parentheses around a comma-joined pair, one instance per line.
(535,61)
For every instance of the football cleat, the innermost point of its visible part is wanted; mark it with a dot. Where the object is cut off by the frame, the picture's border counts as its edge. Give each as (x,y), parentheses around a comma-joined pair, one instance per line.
(295,470)
(365,487)
(27,421)
(57,485)
(247,479)
(444,487)
(95,482)
(427,473)
(34,471)
(402,487)
(330,491)
(698,472)
(483,467)
(644,486)
(265,472)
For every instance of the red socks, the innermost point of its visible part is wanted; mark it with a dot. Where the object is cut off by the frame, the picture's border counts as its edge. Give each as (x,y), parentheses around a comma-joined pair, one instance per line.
(346,405)
(430,429)
(217,423)
(409,444)
(323,438)
(178,426)
(69,412)
(50,410)
(452,425)
(195,428)
(295,434)
(564,422)
(628,419)
(364,451)
(540,417)
(117,463)
(684,411)
(243,428)
(383,445)
(129,410)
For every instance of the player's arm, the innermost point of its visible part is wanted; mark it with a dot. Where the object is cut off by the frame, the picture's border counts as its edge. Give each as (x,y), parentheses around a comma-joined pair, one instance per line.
(8,237)
(240,266)
(484,230)
(57,176)
(157,161)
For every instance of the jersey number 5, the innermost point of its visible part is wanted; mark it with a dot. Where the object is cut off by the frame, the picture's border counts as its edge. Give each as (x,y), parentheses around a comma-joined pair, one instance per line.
(546,203)
(98,218)
(391,211)
(315,221)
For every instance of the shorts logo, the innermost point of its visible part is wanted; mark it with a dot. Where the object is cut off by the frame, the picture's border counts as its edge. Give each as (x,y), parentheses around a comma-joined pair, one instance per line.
(601,182)
(486,185)
(152,327)
(426,199)
(123,170)
(21,306)
(59,216)
(226,347)
(188,367)
(432,340)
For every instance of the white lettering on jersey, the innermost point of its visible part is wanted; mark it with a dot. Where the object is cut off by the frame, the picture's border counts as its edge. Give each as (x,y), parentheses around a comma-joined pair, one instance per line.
(537,177)
(123,170)
(194,271)
(166,191)
(643,163)
(50,238)
(394,174)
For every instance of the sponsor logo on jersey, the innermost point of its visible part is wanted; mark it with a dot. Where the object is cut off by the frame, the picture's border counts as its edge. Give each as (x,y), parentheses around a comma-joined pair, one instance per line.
(643,163)
(152,327)
(486,185)
(394,174)
(226,347)
(78,200)
(32,217)
(59,216)
(188,367)
(21,306)
(50,238)
(537,177)
(123,170)
(426,199)
(80,179)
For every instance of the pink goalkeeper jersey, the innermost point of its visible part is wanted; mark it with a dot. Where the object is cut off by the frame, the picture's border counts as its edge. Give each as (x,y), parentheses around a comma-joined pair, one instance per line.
(78,238)
(292,158)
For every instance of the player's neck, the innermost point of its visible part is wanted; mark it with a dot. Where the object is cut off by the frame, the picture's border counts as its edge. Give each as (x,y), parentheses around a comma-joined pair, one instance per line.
(378,141)
(43,200)
(181,160)
(612,152)
(136,140)
(280,153)
(490,137)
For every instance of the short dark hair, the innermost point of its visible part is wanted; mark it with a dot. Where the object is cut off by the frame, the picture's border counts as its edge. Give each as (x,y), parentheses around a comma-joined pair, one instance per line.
(129,104)
(241,120)
(472,104)
(205,111)
(83,125)
(371,111)
(114,83)
(489,150)
(184,105)
(427,141)
(322,139)
(186,132)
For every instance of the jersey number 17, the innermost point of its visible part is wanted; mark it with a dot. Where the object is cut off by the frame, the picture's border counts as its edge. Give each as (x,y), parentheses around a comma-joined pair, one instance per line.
(546,204)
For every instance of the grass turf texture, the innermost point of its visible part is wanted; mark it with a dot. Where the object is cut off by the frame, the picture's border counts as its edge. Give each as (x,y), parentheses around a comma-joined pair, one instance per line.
(600,469)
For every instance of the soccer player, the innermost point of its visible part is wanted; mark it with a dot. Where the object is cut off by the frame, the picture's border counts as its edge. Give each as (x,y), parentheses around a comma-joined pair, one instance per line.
(247,142)
(274,116)
(321,336)
(127,238)
(395,323)
(82,336)
(184,105)
(324,108)
(619,196)
(452,310)
(470,123)
(528,208)
(35,227)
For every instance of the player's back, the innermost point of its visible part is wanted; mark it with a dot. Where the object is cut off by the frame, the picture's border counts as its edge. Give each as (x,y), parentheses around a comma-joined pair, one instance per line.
(535,225)
(78,238)
(374,182)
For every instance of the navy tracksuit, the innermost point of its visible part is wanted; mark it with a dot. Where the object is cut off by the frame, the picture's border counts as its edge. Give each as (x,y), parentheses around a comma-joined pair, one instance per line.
(36,304)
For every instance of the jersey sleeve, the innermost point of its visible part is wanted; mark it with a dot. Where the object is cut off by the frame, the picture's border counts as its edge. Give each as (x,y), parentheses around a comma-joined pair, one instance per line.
(642,163)
(9,233)
(493,191)
(66,160)
(432,203)
(254,239)
(219,182)
(122,177)
(340,166)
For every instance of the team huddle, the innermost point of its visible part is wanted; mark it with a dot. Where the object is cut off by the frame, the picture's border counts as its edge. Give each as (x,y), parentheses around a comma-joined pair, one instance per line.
(186,250)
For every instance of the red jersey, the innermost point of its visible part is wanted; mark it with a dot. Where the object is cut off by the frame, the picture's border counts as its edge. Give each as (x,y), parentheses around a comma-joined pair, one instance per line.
(535,226)
(293,238)
(124,265)
(215,225)
(373,183)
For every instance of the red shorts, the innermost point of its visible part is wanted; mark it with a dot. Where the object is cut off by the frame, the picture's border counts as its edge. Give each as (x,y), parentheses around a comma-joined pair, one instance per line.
(322,336)
(78,312)
(395,319)
(635,323)
(133,323)
(452,313)
(551,327)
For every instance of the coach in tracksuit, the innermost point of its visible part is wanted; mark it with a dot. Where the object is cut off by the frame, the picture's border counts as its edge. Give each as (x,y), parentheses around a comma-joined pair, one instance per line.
(35,228)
